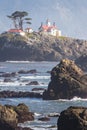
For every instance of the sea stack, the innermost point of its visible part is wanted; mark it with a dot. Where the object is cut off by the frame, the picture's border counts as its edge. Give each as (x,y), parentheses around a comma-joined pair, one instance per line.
(67,81)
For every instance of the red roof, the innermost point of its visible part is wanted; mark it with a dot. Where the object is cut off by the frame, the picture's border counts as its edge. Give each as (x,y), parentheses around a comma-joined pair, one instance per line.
(15,30)
(46,28)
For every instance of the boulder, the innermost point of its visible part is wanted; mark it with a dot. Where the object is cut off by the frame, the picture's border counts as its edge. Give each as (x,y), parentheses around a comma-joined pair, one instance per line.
(67,81)
(23,113)
(33,83)
(38,89)
(73,118)
(44,119)
(27,71)
(8,118)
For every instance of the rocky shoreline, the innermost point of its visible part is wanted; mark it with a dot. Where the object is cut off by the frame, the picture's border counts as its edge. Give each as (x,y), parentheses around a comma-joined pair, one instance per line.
(39,47)
(10,116)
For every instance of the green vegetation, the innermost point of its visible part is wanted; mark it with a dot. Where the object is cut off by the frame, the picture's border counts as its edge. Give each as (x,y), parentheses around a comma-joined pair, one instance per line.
(19,18)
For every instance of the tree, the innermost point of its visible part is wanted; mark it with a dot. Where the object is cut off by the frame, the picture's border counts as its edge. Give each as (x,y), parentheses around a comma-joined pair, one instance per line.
(19,18)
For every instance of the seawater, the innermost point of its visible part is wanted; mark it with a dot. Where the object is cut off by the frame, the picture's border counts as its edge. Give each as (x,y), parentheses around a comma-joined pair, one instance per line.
(38,106)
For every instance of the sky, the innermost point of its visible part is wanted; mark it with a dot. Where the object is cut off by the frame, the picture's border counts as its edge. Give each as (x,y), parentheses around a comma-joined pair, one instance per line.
(70,16)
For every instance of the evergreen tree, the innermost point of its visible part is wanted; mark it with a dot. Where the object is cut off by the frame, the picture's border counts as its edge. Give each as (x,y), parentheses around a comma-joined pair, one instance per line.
(19,18)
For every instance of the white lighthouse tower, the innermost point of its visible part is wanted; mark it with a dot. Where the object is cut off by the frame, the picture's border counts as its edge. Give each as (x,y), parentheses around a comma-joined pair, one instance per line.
(48,23)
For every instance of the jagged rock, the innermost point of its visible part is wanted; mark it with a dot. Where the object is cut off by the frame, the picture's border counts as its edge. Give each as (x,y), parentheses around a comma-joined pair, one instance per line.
(23,113)
(73,118)
(82,62)
(8,118)
(67,81)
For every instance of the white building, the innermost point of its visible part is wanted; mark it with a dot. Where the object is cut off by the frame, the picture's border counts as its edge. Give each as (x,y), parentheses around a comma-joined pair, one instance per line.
(50,29)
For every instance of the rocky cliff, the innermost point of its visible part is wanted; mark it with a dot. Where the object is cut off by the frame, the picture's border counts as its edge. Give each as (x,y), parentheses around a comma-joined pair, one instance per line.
(67,81)
(39,47)
(82,62)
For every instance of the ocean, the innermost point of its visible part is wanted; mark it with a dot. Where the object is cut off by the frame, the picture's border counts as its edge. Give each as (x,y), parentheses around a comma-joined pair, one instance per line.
(20,82)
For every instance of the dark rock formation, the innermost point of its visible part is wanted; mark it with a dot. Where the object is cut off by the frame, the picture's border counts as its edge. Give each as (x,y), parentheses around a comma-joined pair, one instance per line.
(44,119)
(33,83)
(39,47)
(73,118)
(13,74)
(10,94)
(10,116)
(28,71)
(67,81)
(38,89)
(23,113)
(82,62)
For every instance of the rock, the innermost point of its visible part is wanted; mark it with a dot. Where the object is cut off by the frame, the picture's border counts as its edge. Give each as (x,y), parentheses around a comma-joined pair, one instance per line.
(8,80)
(44,119)
(23,72)
(33,83)
(67,81)
(73,118)
(10,94)
(23,113)
(82,62)
(28,71)
(13,74)
(8,118)
(32,71)
(38,89)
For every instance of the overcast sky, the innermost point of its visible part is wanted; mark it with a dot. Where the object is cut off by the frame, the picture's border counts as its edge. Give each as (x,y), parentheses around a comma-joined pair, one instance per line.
(70,16)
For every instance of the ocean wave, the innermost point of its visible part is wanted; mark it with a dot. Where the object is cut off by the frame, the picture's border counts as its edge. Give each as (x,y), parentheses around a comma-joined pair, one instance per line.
(73,99)
(31,62)
(35,77)
(20,61)
(37,126)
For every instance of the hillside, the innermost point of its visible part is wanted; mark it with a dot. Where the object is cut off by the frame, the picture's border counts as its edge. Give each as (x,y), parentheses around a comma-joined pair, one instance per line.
(38,47)
(82,62)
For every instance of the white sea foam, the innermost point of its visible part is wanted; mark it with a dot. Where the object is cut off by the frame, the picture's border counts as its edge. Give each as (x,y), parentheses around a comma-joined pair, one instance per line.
(38,126)
(31,62)
(35,77)
(19,61)
(37,114)
(16,83)
(73,99)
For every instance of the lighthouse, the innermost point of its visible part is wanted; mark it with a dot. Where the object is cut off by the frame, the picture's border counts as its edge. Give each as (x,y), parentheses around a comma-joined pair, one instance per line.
(48,23)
